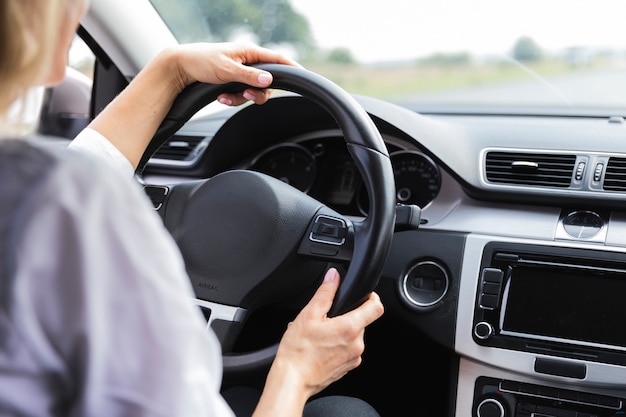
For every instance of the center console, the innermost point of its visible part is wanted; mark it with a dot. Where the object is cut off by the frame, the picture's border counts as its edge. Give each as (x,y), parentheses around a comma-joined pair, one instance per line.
(494,397)
(562,302)
(545,332)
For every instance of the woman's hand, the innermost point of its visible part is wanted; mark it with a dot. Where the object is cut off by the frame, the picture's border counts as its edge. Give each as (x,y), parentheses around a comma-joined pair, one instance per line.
(219,63)
(316,350)
(130,121)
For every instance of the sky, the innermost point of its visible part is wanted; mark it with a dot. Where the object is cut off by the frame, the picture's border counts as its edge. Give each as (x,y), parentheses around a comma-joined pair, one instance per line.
(414,28)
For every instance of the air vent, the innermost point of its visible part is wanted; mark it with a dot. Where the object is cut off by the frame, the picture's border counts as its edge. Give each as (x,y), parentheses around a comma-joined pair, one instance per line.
(178,148)
(549,170)
(615,176)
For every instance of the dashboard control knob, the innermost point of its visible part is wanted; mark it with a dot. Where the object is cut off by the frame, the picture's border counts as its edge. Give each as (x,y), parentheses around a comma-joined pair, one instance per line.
(483,330)
(490,407)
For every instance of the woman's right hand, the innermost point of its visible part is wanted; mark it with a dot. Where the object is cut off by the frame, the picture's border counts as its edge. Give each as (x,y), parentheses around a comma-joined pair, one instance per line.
(316,350)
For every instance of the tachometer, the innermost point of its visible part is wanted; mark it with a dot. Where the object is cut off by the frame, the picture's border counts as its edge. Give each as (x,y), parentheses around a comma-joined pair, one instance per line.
(290,163)
(417,178)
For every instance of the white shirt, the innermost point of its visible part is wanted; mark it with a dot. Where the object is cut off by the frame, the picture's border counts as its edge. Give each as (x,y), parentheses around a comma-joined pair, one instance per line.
(91,142)
(102,311)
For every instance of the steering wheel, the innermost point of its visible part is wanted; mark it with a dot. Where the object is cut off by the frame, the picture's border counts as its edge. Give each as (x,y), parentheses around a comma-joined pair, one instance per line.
(250,240)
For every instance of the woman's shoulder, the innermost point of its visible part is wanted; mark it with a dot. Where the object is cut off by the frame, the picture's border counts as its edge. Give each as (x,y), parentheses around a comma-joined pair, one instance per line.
(40,166)
(23,165)
(27,158)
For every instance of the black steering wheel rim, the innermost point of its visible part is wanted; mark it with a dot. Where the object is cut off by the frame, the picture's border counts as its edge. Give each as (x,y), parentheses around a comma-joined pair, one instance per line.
(373,234)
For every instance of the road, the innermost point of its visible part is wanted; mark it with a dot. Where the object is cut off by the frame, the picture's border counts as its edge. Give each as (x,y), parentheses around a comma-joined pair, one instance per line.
(601,88)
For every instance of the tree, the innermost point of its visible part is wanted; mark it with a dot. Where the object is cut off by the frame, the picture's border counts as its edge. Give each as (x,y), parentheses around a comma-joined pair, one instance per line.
(341,56)
(270,21)
(526,50)
(439,59)
(178,14)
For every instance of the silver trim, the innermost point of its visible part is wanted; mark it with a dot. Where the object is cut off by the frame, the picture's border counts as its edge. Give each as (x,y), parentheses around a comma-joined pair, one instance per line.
(222,312)
(488,326)
(562,340)
(167,191)
(490,400)
(563,234)
(470,371)
(405,291)
(586,187)
(195,154)
(593,404)
(326,241)
(525,164)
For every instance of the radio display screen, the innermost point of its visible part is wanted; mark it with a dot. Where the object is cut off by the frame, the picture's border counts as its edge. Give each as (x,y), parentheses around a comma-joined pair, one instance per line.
(566,304)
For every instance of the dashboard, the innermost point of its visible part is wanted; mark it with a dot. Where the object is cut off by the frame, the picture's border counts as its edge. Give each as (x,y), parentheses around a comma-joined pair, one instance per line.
(315,160)
(519,263)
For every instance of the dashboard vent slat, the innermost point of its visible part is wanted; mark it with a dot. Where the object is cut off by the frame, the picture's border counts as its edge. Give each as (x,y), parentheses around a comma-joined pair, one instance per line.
(178,148)
(615,176)
(549,170)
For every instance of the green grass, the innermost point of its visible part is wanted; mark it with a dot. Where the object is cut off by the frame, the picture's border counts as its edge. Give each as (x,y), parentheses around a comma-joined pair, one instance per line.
(387,82)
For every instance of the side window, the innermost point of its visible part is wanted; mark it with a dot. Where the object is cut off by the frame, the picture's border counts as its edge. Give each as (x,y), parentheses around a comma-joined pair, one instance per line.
(81,58)
(64,109)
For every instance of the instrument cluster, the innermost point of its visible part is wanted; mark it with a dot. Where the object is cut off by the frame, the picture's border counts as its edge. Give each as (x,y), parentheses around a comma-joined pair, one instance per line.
(324,169)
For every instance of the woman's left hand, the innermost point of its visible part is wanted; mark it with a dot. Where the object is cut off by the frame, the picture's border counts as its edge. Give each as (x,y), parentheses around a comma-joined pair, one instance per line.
(131,119)
(219,63)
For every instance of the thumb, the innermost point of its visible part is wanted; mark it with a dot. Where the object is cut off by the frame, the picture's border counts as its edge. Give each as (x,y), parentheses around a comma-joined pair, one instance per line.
(323,298)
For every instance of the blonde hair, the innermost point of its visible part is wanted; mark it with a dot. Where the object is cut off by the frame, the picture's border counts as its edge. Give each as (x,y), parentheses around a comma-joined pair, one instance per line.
(28,35)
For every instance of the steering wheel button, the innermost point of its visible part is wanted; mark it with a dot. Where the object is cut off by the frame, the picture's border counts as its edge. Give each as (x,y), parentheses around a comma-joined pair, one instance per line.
(323,250)
(328,230)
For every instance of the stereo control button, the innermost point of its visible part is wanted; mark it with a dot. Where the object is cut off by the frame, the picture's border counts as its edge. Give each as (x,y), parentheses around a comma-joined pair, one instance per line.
(525,409)
(490,407)
(488,301)
(609,402)
(490,288)
(483,330)
(510,386)
(549,392)
(493,275)
(546,411)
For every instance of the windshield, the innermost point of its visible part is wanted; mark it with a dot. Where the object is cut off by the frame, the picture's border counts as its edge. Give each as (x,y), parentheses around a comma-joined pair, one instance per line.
(439,55)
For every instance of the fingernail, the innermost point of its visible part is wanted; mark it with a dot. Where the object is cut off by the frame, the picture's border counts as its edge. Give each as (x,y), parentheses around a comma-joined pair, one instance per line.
(225,101)
(264,78)
(330,275)
(248,95)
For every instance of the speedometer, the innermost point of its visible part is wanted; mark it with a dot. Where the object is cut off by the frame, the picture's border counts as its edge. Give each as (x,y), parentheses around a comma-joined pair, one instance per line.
(417,178)
(290,163)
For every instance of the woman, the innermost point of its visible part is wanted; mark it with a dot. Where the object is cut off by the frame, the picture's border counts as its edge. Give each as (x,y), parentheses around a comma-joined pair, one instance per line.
(91,322)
